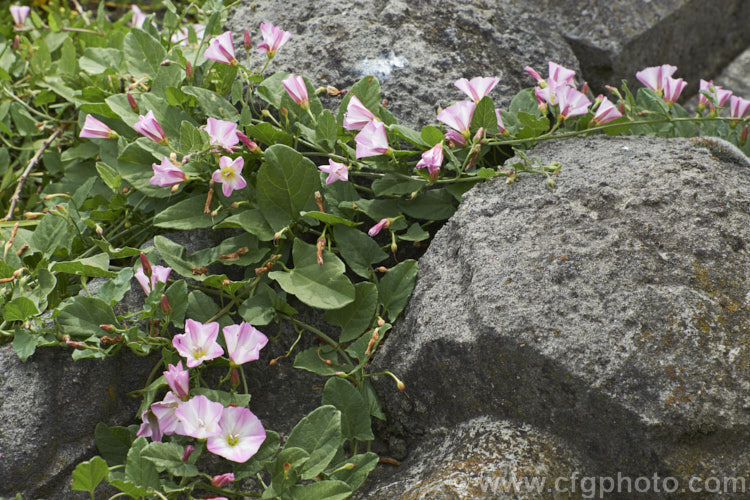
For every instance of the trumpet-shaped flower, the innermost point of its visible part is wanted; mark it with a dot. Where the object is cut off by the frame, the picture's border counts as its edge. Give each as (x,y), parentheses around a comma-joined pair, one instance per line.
(432,159)
(182,37)
(19,14)
(178,380)
(240,435)
(572,102)
(94,129)
(357,115)
(158,273)
(297,90)
(200,417)
(148,126)
(458,116)
(478,87)
(223,133)
(673,87)
(374,230)
(605,113)
(167,174)
(221,49)
(150,426)
(372,140)
(738,107)
(536,76)
(164,411)
(655,77)
(273,39)
(198,343)
(455,138)
(561,75)
(229,174)
(720,95)
(336,171)
(244,342)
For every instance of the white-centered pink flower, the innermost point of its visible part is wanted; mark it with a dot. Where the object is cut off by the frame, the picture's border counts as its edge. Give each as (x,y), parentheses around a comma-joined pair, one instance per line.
(372,140)
(273,39)
(458,116)
(150,426)
(561,75)
(167,173)
(478,87)
(432,159)
(244,342)
(655,77)
(95,129)
(605,113)
(223,133)
(673,87)
(158,273)
(19,13)
(720,95)
(147,126)
(164,411)
(240,435)
(200,417)
(198,343)
(500,124)
(357,115)
(738,107)
(297,90)
(178,380)
(571,102)
(221,49)
(229,175)
(336,171)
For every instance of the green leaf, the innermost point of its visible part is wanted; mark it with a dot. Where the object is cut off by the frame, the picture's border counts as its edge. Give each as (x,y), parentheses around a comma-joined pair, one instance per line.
(272,90)
(326,132)
(329,218)
(200,306)
(96,267)
(175,256)
(431,135)
(396,286)
(436,204)
(650,100)
(115,289)
(251,221)
(187,214)
(113,443)
(88,475)
(41,60)
(355,318)
(533,126)
(321,490)
(191,139)
(51,233)
(68,59)
(83,317)
(414,233)
(286,184)
(138,470)
(363,465)
(110,177)
(358,249)
(324,287)
(392,184)
(319,434)
(143,53)
(128,487)
(262,457)
(213,104)
(20,309)
(24,122)
(355,415)
(409,134)
(265,133)
(168,457)
(24,343)
(312,360)
(484,116)
(96,61)
(178,300)
(525,101)
(257,310)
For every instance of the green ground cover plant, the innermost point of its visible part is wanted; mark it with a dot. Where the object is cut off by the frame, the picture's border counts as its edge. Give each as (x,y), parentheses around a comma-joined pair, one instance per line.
(115,132)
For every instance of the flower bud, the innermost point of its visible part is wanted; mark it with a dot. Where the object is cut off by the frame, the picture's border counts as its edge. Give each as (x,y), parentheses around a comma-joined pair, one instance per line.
(131,102)
(223,479)
(26,247)
(320,245)
(743,137)
(165,62)
(234,378)
(585,88)
(16,41)
(188,70)
(108,328)
(394,248)
(186,454)
(550,182)
(174,188)
(165,307)
(246,40)
(381,321)
(319,201)
(621,107)
(146,265)
(99,230)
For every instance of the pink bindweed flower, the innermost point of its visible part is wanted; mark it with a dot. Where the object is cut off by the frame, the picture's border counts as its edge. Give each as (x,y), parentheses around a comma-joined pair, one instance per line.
(138,17)
(738,107)
(605,113)
(478,87)
(167,174)
(500,124)
(94,129)
(720,95)
(672,89)
(19,14)
(372,140)
(182,37)
(455,139)
(536,76)
(655,77)
(164,411)
(254,148)
(247,42)
(148,126)
(273,39)
(374,230)
(222,480)
(244,343)
(561,75)
(336,172)
(228,174)
(178,380)
(198,343)
(240,435)
(297,90)
(432,159)
(458,116)
(572,102)
(223,133)
(221,49)
(158,273)
(200,417)
(150,426)
(357,115)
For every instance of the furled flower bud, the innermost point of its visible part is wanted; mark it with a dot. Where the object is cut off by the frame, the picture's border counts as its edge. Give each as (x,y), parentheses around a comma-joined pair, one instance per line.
(16,41)
(146,265)
(743,137)
(131,102)
(320,246)
(223,479)
(188,451)
(188,70)
(108,328)
(234,378)
(246,41)
(165,307)
(374,230)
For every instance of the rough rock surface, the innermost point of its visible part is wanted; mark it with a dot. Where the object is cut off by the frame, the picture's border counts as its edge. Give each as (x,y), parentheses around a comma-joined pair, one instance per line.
(612,312)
